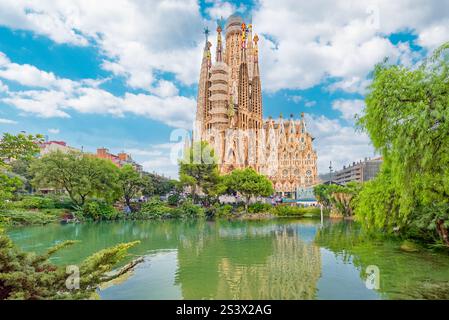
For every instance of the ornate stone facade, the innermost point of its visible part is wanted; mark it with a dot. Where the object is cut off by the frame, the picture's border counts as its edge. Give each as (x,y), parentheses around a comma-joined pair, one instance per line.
(229,115)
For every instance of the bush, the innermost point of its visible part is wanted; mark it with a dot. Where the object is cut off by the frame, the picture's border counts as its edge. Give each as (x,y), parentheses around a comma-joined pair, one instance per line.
(292,211)
(33,202)
(173,199)
(99,211)
(26,218)
(260,207)
(224,211)
(154,208)
(190,210)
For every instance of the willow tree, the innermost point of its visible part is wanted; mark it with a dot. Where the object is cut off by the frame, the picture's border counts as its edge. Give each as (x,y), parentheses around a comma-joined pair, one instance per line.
(406,117)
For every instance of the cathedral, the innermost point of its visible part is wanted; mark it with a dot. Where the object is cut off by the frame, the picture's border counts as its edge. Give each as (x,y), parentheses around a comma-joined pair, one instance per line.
(229,115)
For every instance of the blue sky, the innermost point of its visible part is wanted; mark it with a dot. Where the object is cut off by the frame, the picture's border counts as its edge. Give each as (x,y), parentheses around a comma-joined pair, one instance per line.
(123,75)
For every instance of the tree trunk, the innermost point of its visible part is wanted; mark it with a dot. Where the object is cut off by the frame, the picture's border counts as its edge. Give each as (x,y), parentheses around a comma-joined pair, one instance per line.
(128,202)
(442,232)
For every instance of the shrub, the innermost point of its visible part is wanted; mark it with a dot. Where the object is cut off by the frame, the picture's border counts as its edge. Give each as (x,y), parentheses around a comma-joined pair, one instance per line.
(289,211)
(26,218)
(154,208)
(259,207)
(173,199)
(224,211)
(97,211)
(33,202)
(190,210)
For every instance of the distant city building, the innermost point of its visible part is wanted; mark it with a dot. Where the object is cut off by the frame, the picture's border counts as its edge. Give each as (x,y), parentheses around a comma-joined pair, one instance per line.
(119,160)
(54,146)
(361,171)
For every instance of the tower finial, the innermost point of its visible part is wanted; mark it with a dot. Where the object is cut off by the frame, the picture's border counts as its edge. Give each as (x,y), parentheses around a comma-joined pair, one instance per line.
(256,48)
(206,33)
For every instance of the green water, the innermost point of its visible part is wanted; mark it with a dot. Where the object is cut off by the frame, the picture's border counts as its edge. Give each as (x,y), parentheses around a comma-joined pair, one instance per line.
(275,259)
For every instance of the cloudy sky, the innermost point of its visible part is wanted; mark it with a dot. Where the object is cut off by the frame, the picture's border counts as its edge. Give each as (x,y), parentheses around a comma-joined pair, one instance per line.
(122,74)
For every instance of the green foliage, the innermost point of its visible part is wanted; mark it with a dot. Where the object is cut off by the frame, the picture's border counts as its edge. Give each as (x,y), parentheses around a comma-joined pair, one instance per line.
(259,207)
(80,175)
(249,184)
(293,211)
(190,210)
(199,171)
(377,205)
(131,183)
(18,147)
(338,199)
(406,119)
(155,184)
(31,277)
(173,199)
(8,186)
(33,202)
(98,211)
(223,211)
(17,217)
(154,209)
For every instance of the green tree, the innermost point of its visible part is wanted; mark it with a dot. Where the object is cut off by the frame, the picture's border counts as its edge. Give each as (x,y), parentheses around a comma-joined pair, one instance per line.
(199,171)
(81,176)
(14,148)
(157,185)
(337,198)
(20,146)
(249,184)
(131,183)
(8,186)
(31,277)
(406,117)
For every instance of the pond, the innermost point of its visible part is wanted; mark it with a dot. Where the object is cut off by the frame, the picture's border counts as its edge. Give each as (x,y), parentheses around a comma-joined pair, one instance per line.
(270,259)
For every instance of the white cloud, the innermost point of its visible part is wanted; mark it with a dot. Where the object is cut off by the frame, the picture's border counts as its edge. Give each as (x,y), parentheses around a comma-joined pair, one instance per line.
(3,87)
(295,98)
(433,36)
(139,38)
(58,96)
(157,158)
(349,108)
(352,85)
(340,144)
(165,89)
(305,44)
(7,121)
(310,104)
(54,131)
(221,9)
(309,42)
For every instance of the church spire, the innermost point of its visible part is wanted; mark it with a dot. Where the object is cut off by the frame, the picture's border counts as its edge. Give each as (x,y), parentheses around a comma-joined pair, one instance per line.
(219,55)
(243,92)
(256,92)
(203,87)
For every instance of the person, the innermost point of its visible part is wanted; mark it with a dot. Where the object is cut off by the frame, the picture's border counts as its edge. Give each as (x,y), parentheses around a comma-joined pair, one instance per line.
(127,210)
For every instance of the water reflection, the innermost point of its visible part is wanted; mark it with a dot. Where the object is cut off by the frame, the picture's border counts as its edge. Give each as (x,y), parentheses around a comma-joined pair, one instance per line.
(276,259)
